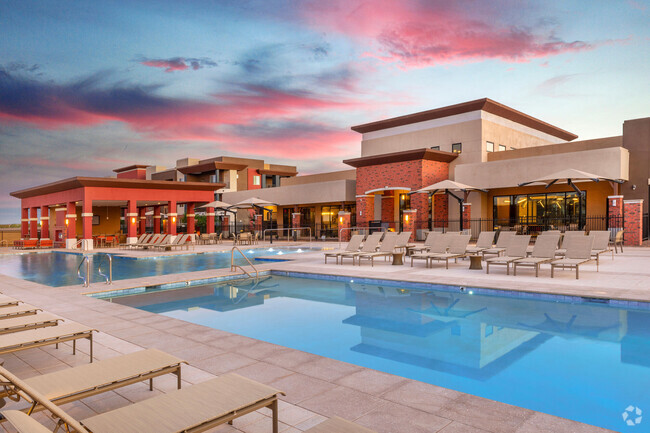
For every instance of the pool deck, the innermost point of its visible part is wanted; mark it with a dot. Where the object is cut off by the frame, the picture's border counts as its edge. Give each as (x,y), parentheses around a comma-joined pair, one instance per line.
(316,387)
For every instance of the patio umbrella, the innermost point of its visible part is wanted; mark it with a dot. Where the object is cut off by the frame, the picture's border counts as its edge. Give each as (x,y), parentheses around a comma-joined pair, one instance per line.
(216,204)
(252,202)
(449,187)
(570,177)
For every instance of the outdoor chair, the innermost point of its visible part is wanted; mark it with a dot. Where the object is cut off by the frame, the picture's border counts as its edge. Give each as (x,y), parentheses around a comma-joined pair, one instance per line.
(439,245)
(69,331)
(428,242)
(155,239)
(402,242)
(516,250)
(485,240)
(578,252)
(502,242)
(543,252)
(338,425)
(142,239)
(352,246)
(386,249)
(45,243)
(618,240)
(601,244)
(566,236)
(456,251)
(76,383)
(197,408)
(204,239)
(18,311)
(530,249)
(32,321)
(369,246)
(8,301)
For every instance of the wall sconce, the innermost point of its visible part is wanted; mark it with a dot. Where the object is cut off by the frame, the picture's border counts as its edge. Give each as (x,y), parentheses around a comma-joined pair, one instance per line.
(340,220)
(173,219)
(406,217)
(132,220)
(66,221)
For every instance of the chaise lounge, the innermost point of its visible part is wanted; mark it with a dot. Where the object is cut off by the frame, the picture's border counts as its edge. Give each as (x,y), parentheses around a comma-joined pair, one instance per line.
(69,331)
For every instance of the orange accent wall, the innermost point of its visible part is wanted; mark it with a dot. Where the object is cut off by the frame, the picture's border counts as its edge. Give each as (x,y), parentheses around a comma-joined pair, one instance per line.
(252,172)
(139,173)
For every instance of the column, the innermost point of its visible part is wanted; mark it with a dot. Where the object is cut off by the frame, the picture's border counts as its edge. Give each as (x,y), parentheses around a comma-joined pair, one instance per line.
(33,223)
(633,222)
(45,223)
(259,221)
(60,230)
(24,223)
(87,225)
(71,224)
(171,219)
(420,202)
(388,211)
(209,221)
(131,222)
(440,210)
(156,219)
(344,223)
(142,217)
(189,217)
(408,222)
(365,209)
(615,211)
(467,215)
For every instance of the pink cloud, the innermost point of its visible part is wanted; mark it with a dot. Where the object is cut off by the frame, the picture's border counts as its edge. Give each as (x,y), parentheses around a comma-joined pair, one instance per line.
(416,33)
(168,65)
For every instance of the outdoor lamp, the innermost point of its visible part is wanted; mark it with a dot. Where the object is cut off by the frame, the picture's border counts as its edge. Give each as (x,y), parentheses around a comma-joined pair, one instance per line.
(341,220)
(132,220)
(406,218)
(173,219)
(66,221)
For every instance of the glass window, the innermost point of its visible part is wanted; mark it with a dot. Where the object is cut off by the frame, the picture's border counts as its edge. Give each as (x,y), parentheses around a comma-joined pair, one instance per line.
(489,146)
(435,147)
(502,210)
(256,180)
(457,147)
(501,148)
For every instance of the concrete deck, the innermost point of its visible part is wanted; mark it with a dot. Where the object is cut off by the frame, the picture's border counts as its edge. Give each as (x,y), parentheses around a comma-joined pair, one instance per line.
(316,387)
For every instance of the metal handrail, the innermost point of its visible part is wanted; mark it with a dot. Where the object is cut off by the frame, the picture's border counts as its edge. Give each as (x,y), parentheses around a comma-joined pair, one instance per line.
(381,229)
(233,266)
(109,277)
(78,244)
(289,229)
(85,279)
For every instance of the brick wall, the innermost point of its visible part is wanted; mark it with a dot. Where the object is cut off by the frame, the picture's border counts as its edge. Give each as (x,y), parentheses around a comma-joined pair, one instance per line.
(440,210)
(388,208)
(633,217)
(365,210)
(615,210)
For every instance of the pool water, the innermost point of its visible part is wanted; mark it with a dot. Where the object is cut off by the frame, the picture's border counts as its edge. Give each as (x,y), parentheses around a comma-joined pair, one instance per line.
(584,361)
(60,268)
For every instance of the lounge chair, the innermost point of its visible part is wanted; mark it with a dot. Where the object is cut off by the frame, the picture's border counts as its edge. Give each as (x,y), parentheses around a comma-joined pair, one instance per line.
(402,242)
(378,234)
(45,243)
(618,240)
(352,246)
(69,331)
(485,241)
(25,244)
(601,244)
(369,246)
(440,244)
(196,408)
(23,323)
(75,383)
(578,252)
(169,244)
(456,250)
(566,238)
(8,301)
(556,233)
(502,243)
(543,252)
(338,425)
(428,242)
(18,311)
(141,240)
(386,249)
(516,250)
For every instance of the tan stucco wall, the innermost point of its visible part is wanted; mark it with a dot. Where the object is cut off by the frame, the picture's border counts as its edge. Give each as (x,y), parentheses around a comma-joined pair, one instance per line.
(552,149)
(509,137)
(612,162)
(322,192)
(319,177)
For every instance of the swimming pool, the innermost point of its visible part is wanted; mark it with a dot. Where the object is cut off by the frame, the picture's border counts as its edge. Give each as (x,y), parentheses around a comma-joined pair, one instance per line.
(60,268)
(580,360)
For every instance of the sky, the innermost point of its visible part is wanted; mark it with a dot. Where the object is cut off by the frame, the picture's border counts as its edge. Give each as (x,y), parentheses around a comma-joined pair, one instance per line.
(86,87)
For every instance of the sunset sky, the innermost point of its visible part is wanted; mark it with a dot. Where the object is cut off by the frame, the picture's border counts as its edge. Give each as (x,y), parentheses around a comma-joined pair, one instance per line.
(89,86)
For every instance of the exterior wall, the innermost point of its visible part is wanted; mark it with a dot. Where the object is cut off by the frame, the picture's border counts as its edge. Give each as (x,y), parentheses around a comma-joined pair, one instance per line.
(636,139)
(107,226)
(633,212)
(388,209)
(140,173)
(411,174)
(365,209)
(553,149)
(320,177)
(500,134)
(324,192)
(250,174)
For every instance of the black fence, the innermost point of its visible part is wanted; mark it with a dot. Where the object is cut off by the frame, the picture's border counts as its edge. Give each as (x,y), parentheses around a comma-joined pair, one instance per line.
(646,223)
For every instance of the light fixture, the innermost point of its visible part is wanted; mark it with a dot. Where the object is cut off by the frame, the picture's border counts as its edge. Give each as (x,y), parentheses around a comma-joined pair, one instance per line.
(340,220)
(406,217)
(66,221)
(132,220)
(173,219)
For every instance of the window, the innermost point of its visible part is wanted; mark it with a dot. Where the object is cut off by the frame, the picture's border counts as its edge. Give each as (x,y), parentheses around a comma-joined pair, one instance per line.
(457,147)
(553,209)
(489,146)
(501,148)
(257,180)
(435,147)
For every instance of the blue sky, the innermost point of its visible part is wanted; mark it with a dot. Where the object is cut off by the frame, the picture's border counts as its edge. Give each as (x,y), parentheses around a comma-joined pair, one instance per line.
(86,87)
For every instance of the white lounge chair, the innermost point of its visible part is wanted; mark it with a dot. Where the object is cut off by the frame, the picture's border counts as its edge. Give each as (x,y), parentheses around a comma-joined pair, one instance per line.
(515,250)
(352,246)
(543,252)
(578,253)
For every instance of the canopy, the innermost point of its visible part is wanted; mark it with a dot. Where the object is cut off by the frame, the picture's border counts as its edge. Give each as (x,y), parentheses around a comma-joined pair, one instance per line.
(218,204)
(570,177)
(449,185)
(252,202)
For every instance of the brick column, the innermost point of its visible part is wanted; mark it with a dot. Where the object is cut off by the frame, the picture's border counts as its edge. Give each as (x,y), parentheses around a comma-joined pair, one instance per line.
(225,224)
(420,202)
(440,210)
(45,222)
(467,215)
(131,219)
(87,225)
(60,224)
(615,211)
(33,222)
(365,209)
(189,218)
(344,223)
(142,220)
(408,222)
(171,218)
(295,219)
(156,219)
(71,223)
(633,217)
(258,223)
(209,220)
(24,223)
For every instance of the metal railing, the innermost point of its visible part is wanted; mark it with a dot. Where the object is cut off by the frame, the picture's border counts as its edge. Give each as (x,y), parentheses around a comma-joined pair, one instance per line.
(109,277)
(234,266)
(85,279)
(289,230)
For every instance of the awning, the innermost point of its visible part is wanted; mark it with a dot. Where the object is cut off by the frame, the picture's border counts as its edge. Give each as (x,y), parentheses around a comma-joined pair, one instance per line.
(388,188)
(449,185)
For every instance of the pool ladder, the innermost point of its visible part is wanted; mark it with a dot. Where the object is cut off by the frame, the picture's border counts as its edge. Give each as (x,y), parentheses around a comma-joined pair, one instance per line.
(233,266)
(86,278)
